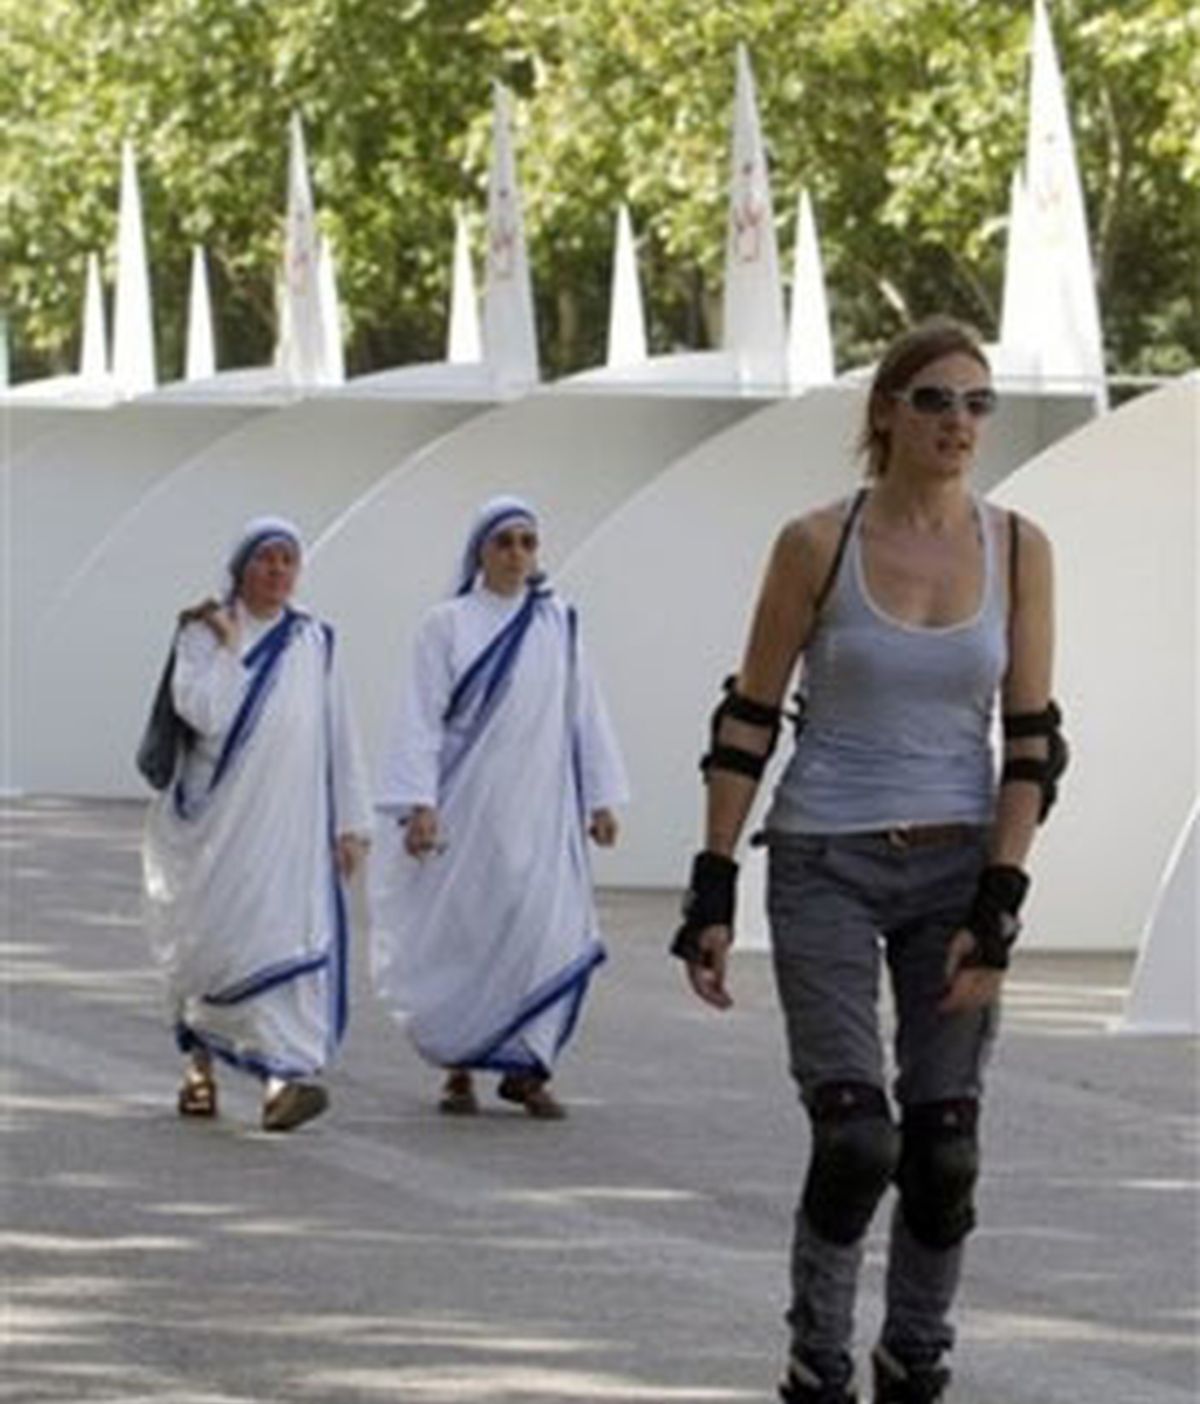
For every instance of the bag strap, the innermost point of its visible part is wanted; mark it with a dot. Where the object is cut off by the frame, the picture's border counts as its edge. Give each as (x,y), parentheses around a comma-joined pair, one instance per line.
(843,540)
(1014,553)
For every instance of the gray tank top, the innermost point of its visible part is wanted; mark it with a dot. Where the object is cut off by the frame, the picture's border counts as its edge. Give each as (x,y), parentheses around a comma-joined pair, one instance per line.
(899,716)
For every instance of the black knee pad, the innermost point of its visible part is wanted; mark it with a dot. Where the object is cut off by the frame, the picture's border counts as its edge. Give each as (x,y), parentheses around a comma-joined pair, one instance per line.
(939,1164)
(855,1150)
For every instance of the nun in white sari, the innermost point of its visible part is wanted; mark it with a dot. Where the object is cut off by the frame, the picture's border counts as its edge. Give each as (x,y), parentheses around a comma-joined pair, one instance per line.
(502,761)
(246,852)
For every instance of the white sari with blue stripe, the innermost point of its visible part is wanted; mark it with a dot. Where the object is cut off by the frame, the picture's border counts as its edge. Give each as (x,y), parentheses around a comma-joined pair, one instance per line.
(245,909)
(485,949)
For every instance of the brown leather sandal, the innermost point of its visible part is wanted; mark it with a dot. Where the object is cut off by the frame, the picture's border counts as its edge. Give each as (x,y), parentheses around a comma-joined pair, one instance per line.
(533,1093)
(458,1094)
(198,1092)
(293,1105)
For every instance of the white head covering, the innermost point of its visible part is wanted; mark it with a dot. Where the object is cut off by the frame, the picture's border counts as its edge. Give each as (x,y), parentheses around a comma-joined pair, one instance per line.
(257,533)
(493,516)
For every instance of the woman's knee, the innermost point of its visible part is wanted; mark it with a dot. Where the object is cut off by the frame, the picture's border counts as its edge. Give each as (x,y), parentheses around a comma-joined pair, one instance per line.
(939,1165)
(855,1153)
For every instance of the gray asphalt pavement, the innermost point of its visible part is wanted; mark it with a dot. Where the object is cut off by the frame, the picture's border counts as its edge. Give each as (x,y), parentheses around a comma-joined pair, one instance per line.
(635,1252)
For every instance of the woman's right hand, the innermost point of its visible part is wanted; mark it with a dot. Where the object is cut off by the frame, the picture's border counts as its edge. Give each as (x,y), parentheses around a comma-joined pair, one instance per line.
(421,832)
(707,975)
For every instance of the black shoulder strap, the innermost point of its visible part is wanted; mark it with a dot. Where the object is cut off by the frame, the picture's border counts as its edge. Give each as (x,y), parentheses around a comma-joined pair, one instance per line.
(836,564)
(1013,567)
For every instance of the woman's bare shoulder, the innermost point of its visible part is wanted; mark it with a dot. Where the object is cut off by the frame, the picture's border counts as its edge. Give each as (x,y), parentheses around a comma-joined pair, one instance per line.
(1033,546)
(1028,529)
(813,537)
(1032,533)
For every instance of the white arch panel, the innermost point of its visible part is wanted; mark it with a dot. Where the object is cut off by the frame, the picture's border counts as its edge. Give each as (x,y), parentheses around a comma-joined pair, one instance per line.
(576,457)
(1165,994)
(77,474)
(1120,501)
(105,640)
(21,424)
(72,487)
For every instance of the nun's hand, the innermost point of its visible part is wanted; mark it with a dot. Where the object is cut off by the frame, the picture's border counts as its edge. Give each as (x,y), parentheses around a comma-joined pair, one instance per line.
(421,832)
(220,619)
(197,612)
(604,827)
(350,853)
(223,622)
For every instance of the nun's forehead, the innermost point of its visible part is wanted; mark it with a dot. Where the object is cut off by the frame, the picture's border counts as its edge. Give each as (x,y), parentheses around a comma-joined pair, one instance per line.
(272,538)
(263,531)
(507,519)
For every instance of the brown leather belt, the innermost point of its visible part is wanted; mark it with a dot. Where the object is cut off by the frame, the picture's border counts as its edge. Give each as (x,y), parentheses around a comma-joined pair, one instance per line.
(926,835)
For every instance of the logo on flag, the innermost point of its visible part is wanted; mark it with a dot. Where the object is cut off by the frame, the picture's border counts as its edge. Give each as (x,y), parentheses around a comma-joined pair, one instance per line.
(502,239)
(748,215)
(1048,189)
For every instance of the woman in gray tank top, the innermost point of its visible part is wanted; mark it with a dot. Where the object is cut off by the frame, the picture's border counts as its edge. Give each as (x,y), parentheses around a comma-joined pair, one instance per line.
(890,842)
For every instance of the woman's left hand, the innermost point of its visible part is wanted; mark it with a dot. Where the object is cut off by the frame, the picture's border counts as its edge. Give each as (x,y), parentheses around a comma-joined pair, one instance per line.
(603,827)
(968,986)
(349,853)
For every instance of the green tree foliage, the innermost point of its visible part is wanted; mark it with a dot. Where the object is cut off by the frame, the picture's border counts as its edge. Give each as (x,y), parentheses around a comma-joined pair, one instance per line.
(205,88)
(904,119)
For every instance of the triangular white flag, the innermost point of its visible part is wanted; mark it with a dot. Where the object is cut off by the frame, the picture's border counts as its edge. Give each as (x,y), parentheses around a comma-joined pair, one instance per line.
(93,355)
(1018,308)
(333,360)
(626,317)
(133,364)
(810,343)
(301,340)
(1068,334)
(465,342)
(201,356)
(283,313)
(509,330)
(753,320)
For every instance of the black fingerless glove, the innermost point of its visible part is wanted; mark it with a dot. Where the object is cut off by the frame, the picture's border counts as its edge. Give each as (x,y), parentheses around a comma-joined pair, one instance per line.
(709,901)
(993,919)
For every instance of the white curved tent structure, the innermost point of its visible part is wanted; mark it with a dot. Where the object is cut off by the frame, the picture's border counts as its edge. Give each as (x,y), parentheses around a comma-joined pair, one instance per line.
(1120,501)
(1165,995)
(102,631)
(393,553)
(23,421)
(70,488)
(66,488)
(666,586)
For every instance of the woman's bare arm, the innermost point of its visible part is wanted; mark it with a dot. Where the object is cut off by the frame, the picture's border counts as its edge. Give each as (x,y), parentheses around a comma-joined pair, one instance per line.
(1026,689)
(783,619)
(780,626)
